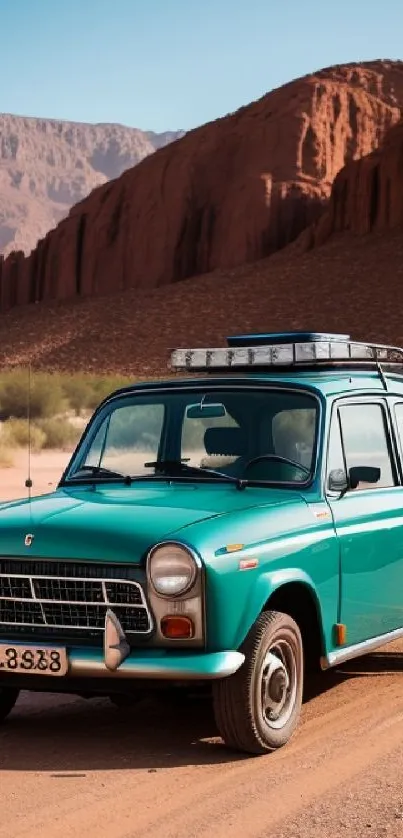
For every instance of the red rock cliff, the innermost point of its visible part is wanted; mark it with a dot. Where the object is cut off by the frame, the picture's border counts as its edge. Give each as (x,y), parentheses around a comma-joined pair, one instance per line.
(229,192)
(366,194)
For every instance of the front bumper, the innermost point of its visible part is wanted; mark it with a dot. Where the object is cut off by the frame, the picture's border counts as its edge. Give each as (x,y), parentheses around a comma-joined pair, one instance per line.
(163,665)
(118,660)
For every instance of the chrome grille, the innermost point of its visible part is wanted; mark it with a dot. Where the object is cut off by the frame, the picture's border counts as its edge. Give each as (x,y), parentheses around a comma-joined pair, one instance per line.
(52,596)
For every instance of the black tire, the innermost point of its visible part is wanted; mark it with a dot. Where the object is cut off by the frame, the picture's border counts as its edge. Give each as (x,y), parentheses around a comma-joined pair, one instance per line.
(8,698)
(126,701)
(238,700)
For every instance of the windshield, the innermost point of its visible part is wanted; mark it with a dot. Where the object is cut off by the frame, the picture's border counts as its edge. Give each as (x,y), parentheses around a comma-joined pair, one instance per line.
(252,435)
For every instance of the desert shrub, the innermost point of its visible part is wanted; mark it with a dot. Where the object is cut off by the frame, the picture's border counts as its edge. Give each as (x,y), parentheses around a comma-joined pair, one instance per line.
(85,391)
(58,433)
(101,386)
(46,397)
(16,434)
(77,392)
(54,393)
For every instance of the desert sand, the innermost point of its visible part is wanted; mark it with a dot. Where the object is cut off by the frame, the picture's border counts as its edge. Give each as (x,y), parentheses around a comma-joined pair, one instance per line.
(71,767)
(46,470)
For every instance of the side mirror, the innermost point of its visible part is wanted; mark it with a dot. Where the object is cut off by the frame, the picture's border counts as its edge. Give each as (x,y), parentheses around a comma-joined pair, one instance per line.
(363,474)
(337,481)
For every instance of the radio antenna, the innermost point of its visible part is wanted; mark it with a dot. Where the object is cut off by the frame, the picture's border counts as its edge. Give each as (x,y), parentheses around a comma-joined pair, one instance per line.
(28,482)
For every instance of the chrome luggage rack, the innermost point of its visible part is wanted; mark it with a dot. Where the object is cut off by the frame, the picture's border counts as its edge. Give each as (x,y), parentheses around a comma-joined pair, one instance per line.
(288,350)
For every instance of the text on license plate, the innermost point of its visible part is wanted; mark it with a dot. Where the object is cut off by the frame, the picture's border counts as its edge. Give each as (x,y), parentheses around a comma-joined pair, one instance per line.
(33,660)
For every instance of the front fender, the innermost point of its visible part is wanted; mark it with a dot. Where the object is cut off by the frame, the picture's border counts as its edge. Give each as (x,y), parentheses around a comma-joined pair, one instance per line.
(286,543)
(266,584)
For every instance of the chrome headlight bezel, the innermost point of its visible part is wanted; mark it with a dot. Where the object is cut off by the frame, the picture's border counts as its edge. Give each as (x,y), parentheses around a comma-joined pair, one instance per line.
(194,566)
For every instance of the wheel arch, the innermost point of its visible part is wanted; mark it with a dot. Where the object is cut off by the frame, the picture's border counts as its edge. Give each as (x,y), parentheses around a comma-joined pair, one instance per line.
(299,600)
(291,592)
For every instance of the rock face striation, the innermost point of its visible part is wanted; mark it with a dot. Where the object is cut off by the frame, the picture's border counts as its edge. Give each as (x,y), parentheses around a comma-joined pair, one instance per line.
(233,191)
(46,166)
(367,195)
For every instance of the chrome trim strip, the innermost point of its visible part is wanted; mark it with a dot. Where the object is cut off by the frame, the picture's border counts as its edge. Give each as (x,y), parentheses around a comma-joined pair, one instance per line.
(205,667)
(346,653)
(97,581)
(62,626)
(34,597)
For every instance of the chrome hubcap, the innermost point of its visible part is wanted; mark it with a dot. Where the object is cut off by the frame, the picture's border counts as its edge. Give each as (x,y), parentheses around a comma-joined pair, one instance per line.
(278,684)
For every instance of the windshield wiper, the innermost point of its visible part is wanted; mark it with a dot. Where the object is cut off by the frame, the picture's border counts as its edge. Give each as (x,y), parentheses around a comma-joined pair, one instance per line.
(166,468)
(177,467)
(89,472)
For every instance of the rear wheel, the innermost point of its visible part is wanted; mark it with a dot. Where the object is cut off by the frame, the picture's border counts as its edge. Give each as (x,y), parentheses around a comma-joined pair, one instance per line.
(8,698)
(258,708)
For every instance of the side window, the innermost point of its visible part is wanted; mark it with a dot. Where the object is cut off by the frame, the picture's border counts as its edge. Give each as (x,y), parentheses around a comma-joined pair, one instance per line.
(399,422)
(335,458)
(365,440)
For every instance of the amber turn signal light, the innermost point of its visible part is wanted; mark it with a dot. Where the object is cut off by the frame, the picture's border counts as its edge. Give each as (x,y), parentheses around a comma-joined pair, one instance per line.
(341,634)
(177,628)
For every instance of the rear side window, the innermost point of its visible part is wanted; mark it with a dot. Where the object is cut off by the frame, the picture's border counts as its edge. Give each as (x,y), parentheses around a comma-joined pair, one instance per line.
(365,440)
(399,422)
(335,456)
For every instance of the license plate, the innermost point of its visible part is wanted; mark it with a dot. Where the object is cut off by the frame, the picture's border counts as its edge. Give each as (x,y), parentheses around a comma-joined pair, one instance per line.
(33,660)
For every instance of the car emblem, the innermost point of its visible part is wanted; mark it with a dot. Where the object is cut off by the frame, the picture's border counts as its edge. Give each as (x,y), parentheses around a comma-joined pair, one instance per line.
(29,539)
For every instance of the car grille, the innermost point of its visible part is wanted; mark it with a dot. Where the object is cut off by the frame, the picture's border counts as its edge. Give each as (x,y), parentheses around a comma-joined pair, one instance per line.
(49,597)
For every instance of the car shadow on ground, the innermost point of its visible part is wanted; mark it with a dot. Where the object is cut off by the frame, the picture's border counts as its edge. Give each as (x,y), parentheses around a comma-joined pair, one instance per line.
(376,664)
(68,736)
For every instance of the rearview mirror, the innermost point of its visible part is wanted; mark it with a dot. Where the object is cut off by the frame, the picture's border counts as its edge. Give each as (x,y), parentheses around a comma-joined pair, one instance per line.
(205,411)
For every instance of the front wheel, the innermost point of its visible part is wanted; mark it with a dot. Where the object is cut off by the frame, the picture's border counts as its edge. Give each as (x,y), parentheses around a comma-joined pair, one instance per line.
(258,708)
(8,698)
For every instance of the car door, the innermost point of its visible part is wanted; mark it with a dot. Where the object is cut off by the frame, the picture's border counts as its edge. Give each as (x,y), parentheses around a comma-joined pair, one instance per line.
(368,520)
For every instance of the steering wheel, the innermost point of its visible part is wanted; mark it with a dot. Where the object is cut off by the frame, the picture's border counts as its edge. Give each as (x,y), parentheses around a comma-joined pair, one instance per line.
(277,459)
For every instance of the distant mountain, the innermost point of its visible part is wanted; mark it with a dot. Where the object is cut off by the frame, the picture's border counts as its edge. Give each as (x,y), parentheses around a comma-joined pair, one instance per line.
(47,165)
(319,156)
(226,194)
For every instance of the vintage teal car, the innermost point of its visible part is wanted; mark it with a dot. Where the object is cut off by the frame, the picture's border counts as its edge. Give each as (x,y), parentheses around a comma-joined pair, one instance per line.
(231,528)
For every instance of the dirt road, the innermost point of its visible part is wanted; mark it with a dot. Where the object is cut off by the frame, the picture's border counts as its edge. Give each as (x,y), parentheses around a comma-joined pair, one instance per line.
(79,768)
(71,768)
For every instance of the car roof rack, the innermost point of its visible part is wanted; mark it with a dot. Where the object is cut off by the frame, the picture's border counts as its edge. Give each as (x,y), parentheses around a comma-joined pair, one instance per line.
(289,351)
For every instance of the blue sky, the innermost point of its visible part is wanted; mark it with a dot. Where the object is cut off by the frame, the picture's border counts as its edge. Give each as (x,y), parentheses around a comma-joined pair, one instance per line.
(169,64)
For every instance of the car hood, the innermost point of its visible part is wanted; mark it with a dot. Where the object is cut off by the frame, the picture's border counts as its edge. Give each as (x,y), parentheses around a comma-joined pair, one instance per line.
(119,523)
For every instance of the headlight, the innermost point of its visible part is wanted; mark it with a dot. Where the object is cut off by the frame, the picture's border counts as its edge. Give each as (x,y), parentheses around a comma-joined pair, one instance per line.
(172,569)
